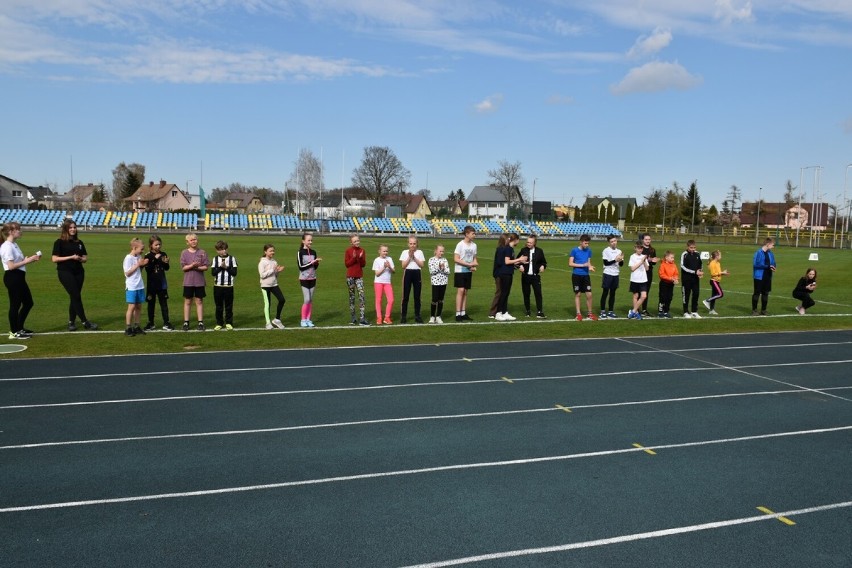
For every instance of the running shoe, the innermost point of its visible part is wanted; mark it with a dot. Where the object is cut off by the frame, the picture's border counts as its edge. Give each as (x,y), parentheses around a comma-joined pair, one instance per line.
(603,315)
(611,315)
(706,304)
(579,317)
(72,326)
(186,326)
(277,323)
(713,313)
(217,328)
(540,315)
(229,327)
(438,319)
(18,335)
(200,326)
(150,326)
(592,316)
(168,327)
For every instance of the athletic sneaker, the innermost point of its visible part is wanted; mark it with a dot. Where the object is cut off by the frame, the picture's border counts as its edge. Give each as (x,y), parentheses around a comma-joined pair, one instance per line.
(667,315)
(353,322)
(630,314)
(277,323)
(217,328)
(645,313)
(592,316)
(637,316)
(438,319)
(168,327)
(801,310)
(138,330)
(303,323)
(363,322)
(150,326)
(200,326)
(579,317)
(270,326)
(508,317)
(713,313)
(387,321)
(432,319)
(603,315)
(90,325)
(754,312)
(18,335)
(72,326)
(761,313)
(466,317)
(499,316)
(229,327)
(540,315)
(490,316)
(696,315)
(687,315)
(186,326)
(706,304)
(309,322)
(129,332)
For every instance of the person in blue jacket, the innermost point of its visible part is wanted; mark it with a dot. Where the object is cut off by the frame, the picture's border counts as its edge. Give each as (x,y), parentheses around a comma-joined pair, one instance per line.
(764,267)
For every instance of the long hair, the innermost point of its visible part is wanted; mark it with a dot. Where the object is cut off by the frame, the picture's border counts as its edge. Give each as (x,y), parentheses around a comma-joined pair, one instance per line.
(504,238)
(8,228)
(65,235)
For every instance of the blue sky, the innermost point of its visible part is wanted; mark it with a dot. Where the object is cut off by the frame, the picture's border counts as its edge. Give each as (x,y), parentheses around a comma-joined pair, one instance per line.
(611,97)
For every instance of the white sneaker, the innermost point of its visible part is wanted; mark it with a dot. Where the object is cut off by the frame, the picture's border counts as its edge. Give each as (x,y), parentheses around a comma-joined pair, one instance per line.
(687,315)
(438,319)
(499,316)
(269,326)
(713,313)
(432,319)
(706,304)
(508,317)
(277,323)
(696,315)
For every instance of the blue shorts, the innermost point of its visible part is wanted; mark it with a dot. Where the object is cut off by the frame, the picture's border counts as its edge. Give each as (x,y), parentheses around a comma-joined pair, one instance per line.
(135,296)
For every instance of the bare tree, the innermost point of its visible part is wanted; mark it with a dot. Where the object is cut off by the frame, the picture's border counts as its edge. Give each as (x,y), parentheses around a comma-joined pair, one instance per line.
(126,179)
(307,180)
(790,194)
(509,180)
(380,174)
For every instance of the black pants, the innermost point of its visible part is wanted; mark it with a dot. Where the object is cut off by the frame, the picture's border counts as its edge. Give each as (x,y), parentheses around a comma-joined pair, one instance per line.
(666,294)
(270,292)
(411,279)
(505,288)
(153,297)
(224,298)
(761,291)
(531,281)
(72,281)
(611,303)
(20,298)
(805,298)
(690,293)
(438,292)
(650,274)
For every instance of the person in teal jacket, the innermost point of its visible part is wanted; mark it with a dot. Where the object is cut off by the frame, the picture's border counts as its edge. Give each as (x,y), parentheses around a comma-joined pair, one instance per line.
(764,267)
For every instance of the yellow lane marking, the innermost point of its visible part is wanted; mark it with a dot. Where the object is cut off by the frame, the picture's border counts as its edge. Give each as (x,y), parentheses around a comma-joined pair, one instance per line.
(646,450)
(784,520)
(508,380)
(560,407)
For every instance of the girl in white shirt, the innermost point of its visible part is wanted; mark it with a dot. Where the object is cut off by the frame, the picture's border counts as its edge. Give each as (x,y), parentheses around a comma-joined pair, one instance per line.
(15,279)
(383,268)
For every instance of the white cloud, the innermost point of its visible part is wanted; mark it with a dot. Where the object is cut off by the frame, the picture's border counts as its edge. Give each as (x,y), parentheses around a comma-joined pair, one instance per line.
(488,105)
(560,100)
(649,45)
(654,77)
(728,13)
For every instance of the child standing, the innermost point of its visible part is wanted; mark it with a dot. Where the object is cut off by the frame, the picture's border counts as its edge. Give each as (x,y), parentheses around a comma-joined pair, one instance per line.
(15,280)
(269,269)
(806,285)
(613,258)
(194,263)
(383,268)
(158,289)
(716,273)
(134,288)
(668,278)
(464,257)
(224,271)
(308,262)
(355,260)
(411,262)
(439,272)
(690,273)
(581,263)
(638,264)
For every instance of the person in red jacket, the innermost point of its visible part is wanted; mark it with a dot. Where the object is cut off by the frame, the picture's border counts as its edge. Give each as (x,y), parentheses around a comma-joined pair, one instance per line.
(355,260)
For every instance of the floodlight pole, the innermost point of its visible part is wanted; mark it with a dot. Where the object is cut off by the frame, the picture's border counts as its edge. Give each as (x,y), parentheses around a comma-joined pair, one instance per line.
(799,206)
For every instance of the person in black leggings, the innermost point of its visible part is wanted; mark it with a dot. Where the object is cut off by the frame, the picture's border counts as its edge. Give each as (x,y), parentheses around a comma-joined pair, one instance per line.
(15,280)
(69,254)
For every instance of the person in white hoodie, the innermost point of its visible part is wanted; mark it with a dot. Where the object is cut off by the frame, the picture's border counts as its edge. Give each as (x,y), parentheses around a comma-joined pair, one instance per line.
(269,268)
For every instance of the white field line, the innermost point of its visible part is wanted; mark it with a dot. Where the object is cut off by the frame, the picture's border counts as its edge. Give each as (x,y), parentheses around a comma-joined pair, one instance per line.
(356,423)
(407,472)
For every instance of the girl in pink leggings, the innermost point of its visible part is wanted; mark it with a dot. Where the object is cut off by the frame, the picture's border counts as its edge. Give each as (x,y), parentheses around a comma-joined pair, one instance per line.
(383,268)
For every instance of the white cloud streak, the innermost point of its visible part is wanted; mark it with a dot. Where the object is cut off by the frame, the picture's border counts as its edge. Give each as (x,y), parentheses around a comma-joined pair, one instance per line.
(656,76)
(489,105)
(650,45)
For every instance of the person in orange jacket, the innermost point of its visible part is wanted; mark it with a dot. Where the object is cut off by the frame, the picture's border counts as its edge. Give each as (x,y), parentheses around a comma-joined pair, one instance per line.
(668,273)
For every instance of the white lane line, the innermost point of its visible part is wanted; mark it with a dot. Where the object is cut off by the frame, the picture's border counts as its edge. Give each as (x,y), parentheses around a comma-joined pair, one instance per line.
(630,537)
(644,351)
(396,420)
(742,369)
(604,374)
(405,472)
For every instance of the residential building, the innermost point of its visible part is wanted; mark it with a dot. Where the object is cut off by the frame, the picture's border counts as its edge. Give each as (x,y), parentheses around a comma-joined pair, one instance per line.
(487,201)
(159,197)
(13,194)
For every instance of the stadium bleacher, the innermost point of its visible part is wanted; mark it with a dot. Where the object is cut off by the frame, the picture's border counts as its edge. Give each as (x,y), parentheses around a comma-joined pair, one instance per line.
(165,220)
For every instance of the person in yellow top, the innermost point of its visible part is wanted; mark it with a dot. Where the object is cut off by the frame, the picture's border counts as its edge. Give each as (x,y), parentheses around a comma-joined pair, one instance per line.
(716,274)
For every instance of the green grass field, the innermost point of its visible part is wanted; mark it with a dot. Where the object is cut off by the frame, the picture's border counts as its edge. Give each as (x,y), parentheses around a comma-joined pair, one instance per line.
(103,296)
